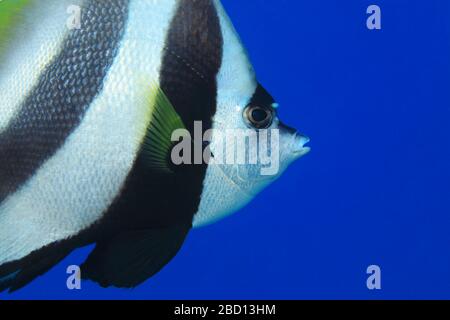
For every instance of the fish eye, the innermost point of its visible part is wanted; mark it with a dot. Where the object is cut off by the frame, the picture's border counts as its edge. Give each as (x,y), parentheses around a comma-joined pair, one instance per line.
(258,117)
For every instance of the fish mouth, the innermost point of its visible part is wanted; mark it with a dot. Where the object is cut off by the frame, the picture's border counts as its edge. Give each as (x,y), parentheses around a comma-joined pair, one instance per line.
(299,146)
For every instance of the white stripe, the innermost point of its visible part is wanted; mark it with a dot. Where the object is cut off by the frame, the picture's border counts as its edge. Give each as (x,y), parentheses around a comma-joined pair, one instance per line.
(36,42)
(236,84)
(75,187)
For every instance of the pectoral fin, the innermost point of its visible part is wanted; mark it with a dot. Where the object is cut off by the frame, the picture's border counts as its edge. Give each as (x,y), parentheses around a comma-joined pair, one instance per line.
(164,121)
(130,258)
(10,16)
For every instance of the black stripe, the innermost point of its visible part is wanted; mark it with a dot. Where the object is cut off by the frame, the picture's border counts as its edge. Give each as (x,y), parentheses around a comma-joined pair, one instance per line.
(192,59)
(57,104)
(261,98)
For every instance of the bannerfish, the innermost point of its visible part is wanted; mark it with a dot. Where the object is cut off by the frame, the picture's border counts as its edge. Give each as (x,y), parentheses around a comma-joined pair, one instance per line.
(91,95)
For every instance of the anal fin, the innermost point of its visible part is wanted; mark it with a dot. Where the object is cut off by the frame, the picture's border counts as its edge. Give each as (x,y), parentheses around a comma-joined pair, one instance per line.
(18,274)
(131,257)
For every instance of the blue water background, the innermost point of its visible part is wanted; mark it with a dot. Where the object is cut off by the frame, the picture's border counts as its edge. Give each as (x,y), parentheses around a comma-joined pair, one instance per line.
(374,190)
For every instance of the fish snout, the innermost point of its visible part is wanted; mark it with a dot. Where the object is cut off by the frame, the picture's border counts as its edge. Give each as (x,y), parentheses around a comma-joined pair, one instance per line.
(299,148)
(298,141)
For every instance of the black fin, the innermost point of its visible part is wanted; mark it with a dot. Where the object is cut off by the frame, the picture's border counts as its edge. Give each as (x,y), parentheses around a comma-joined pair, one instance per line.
(130,258)
(18,274)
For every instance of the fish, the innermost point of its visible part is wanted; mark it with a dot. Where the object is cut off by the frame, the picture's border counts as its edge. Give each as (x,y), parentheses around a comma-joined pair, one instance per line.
(102,103)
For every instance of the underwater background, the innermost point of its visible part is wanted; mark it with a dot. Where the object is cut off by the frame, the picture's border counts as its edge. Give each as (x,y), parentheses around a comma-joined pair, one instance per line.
(375,190)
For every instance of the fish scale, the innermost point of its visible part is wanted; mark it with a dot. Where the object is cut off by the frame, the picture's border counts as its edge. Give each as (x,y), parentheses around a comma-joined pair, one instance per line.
(61,96)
